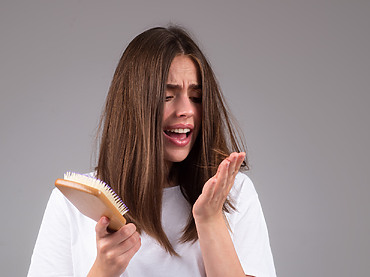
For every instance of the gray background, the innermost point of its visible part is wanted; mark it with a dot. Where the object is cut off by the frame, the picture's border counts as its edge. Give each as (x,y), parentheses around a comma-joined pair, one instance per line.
(295,74)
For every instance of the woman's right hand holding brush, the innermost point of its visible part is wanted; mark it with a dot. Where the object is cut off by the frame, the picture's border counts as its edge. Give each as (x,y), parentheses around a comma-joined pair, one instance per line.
(114,250)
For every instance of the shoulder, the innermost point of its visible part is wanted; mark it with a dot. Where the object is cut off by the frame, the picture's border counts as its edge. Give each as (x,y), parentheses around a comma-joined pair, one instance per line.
(244,199)
(243,188)
(59,205)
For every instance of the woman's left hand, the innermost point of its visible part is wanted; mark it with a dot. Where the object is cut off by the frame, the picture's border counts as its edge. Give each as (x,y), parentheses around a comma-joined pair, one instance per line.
(208,207)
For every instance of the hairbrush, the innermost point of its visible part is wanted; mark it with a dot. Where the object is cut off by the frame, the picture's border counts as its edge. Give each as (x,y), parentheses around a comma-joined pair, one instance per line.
(93,198)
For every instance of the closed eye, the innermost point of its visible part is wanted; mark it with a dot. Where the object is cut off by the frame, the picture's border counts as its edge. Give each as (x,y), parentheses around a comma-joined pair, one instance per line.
(168,98)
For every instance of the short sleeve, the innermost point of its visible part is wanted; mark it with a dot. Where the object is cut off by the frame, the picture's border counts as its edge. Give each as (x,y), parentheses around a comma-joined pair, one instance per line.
(52,253)
(249,230)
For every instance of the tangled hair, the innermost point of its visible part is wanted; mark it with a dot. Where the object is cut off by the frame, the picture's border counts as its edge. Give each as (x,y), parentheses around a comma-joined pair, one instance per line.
(131,156)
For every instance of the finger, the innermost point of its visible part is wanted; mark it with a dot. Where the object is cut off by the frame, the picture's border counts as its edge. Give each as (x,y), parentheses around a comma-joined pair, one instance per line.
(129,243)
(224,172)
(219,169)
(231,172)
(233,158)
(221,177)
(127,256)
(124,233)
(208,188)
(239,158)
(118,255)
(135,248)
(101,227)
(114,244)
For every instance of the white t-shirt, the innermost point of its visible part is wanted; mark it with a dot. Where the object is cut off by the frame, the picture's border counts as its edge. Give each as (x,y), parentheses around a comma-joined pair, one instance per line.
(66,244)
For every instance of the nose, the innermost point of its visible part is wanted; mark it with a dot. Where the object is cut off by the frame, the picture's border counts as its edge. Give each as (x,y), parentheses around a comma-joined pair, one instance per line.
(184,107)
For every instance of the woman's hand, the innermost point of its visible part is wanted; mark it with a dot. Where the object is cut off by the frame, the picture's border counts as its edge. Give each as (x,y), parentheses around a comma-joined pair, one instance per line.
(208,207)
(217,248)
(114,250)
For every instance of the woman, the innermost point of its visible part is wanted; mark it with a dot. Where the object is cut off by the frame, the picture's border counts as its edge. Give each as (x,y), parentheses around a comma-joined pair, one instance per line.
(169,150)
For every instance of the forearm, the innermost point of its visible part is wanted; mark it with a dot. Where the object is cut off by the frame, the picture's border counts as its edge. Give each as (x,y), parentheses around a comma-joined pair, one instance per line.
(218,252)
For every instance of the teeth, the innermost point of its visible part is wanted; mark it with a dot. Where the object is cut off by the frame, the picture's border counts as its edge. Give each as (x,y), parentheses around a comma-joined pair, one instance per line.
(180,131)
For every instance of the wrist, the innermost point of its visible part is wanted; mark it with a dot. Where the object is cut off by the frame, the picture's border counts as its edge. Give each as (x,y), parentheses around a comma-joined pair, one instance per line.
(210,223)
(98,271)
(203,215)
(94,271)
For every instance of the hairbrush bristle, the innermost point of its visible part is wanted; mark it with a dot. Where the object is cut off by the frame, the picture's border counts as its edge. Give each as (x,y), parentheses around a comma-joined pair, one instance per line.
(100,185)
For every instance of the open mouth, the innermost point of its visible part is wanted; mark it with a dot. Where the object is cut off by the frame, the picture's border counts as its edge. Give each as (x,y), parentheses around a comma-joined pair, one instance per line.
(178,134)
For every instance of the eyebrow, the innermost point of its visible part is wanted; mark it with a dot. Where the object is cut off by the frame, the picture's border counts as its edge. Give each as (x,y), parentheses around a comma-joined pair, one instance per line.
(176,87)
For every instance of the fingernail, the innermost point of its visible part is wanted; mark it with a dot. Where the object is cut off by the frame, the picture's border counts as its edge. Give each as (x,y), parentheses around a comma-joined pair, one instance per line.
(105,220)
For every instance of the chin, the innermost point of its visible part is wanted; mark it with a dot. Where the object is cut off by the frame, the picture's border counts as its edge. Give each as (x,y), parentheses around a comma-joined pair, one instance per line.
(176,157)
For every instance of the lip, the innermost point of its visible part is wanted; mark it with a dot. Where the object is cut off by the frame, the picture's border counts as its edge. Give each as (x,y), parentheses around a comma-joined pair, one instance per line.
(177,142)
(179,126)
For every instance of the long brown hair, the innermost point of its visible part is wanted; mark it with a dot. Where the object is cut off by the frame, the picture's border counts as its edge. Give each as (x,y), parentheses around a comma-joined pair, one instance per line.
(131,149)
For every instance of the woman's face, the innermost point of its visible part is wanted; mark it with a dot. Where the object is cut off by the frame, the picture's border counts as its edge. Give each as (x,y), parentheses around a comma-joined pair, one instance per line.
(182,109)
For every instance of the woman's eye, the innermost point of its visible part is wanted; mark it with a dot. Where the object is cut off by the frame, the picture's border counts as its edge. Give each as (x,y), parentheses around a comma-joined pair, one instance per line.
(168,98)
